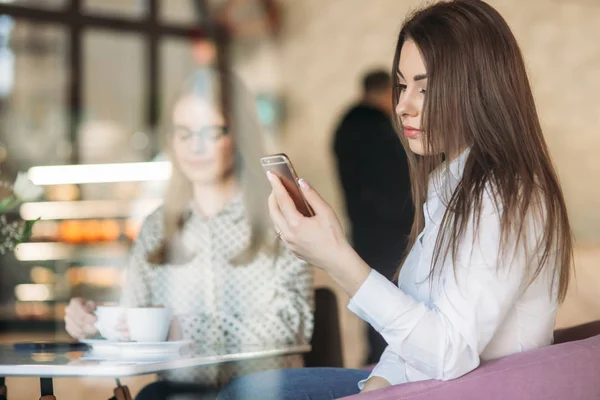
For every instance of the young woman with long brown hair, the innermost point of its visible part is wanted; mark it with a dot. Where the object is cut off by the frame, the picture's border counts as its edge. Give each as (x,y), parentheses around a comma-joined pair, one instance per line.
(209,253)
(490,248)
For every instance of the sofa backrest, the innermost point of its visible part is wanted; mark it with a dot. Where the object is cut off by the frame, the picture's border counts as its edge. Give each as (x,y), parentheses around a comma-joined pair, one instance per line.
(568,371)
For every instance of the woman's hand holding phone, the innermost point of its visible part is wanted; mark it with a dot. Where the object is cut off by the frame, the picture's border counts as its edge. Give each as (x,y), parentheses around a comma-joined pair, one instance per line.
(281,166)
(320,240)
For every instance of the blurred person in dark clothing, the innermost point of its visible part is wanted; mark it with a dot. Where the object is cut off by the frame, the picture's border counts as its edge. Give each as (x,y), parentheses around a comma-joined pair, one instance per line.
(373,170)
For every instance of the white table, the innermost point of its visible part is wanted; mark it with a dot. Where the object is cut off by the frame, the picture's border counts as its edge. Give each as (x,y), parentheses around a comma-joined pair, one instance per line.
(79,364)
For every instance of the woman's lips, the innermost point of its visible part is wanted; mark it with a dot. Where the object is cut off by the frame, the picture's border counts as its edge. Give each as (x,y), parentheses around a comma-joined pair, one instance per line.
(199,163)
(411,133)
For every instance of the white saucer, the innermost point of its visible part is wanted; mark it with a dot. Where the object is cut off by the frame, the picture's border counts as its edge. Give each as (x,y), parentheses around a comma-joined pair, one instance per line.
(109,347)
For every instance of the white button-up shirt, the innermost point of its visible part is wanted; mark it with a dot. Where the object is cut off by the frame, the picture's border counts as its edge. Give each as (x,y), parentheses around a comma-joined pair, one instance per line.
(477,309)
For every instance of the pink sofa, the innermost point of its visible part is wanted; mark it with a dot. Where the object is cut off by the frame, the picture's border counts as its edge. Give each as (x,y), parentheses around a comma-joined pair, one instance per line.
(567,370)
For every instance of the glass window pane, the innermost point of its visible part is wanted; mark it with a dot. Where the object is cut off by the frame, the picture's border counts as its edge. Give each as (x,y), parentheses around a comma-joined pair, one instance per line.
(33,89)
(177,64)
(33,130)
(180,12)
(121,8)
(80,246)
(113,102)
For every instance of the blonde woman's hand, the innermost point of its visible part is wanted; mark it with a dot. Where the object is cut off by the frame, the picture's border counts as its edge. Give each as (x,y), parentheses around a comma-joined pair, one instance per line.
(122,328)
(175,331)
(80,318)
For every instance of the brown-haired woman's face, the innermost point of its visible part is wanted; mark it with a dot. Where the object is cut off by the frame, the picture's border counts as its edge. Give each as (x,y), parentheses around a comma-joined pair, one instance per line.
(412,82)
(202,147)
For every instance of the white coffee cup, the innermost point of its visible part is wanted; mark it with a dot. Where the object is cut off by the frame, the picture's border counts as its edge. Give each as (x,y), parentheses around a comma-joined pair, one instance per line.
(107,320)
(148,324)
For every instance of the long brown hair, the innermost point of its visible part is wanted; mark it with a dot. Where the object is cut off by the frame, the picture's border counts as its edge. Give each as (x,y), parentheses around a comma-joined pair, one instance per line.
(478,96)
(226,91)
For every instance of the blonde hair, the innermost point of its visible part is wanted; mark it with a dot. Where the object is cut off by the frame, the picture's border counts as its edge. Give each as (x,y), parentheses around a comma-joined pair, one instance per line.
(239,110)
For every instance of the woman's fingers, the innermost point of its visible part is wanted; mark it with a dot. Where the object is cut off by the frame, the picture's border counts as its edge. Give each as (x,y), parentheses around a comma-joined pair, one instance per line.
(175,330)
(79,318)
(75,308)
(75,327)
(318,204)
(122,328)
(81,310)
(285,202)
(72,328)
(74,318)
(278,219)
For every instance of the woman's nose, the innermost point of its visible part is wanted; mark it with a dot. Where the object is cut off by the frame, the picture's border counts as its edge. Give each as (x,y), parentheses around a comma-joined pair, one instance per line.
(406,105)
(198,144)
(399,107)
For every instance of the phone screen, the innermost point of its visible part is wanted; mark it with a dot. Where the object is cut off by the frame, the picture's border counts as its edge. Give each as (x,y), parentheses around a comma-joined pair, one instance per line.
(281,166)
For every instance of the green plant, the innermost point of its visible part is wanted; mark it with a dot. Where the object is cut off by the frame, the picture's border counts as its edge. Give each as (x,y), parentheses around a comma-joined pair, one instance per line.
(14,232)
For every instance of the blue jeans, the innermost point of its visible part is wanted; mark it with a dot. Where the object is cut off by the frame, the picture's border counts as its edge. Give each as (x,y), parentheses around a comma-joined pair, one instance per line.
(291,384)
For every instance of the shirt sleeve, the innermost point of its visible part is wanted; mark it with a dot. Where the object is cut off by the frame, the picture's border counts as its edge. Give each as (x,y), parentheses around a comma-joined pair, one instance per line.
(390,367)
(136,290)
(444,340)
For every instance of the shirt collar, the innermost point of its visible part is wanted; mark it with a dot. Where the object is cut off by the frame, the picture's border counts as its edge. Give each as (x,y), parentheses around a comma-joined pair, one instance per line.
(234,210)
(442,183)
(457,166)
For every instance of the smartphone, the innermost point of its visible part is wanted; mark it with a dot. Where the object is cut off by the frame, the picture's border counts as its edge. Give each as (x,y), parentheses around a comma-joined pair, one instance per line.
(281,166)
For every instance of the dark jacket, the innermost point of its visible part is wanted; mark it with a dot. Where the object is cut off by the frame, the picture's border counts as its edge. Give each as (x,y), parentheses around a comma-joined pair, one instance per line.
(373,169)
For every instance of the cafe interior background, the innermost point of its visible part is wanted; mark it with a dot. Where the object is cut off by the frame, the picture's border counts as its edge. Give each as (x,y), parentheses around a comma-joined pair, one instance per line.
(88,82)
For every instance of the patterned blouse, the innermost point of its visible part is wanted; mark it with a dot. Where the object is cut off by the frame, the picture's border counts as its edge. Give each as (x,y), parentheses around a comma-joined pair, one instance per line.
(221,306)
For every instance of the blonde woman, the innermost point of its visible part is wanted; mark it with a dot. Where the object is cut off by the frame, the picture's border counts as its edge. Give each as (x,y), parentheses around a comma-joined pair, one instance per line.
(209,253)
